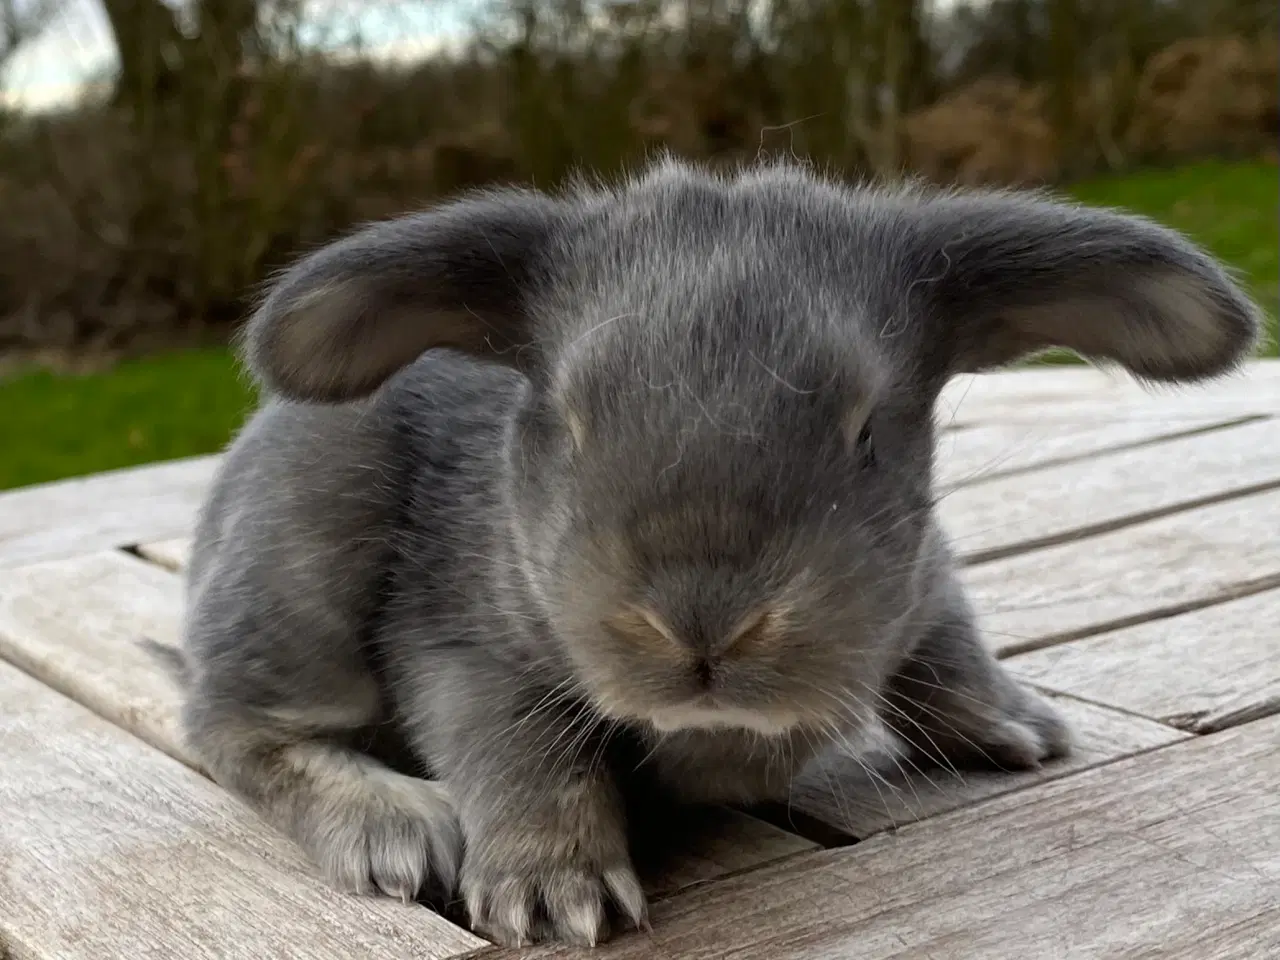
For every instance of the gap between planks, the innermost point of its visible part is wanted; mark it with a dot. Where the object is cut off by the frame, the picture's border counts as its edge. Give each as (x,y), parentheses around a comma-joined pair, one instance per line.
(1200,671)
(102,511)
(1145,439)
(978,557)
(1006,516)
(1238,591)
(1169,566)
(858,804)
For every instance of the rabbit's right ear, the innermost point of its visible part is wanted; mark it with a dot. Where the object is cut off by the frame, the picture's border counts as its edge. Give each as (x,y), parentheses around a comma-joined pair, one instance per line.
(1007,275)
(340,321)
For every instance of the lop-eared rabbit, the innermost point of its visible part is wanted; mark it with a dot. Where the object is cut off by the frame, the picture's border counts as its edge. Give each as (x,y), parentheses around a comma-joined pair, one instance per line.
(626,491)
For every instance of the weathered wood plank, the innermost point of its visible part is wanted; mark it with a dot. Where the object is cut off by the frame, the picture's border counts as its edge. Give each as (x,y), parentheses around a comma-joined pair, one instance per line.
(98,512)
(1135,573)
(1015,513)
(842,794)
(76,625)
(111,849)
(980,454)
(1199,671)
(1174,854)
(1084,394)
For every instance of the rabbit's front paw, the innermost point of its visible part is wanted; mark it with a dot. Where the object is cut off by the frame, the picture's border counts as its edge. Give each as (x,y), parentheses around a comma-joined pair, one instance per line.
(956,705)
(379,831)
(980,719)
(1019,733)
(552,874)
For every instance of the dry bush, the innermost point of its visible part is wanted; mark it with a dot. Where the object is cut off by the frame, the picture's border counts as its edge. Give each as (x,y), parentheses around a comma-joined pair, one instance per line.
(93,235)
(120,228)
(1200,96)
(1208,95)
(113,235)
(993,131)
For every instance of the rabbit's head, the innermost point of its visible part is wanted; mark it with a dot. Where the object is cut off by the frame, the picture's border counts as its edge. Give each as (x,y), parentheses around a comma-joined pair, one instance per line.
(721,470)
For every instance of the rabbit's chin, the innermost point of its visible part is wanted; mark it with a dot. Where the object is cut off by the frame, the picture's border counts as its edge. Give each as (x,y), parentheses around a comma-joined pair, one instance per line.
(704,714)
(710,716)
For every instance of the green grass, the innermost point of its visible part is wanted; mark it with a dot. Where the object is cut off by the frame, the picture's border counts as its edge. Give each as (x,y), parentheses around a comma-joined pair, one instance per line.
(188,403)
(175,405)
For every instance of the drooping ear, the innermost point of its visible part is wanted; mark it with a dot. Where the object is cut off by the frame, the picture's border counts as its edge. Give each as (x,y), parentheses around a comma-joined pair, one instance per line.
(1007,275)
(341,320)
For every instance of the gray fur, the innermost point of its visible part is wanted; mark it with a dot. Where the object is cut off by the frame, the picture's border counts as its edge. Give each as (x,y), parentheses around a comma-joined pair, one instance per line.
(666,494)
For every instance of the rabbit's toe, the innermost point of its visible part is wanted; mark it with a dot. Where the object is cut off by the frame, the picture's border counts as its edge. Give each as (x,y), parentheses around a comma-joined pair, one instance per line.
(396,835)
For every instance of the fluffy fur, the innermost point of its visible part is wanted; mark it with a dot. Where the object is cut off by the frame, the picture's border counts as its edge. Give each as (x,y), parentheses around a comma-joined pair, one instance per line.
(553,484)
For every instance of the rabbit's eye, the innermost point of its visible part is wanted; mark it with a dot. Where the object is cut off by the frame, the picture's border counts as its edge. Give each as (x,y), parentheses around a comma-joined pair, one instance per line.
(857,434)
(864,446)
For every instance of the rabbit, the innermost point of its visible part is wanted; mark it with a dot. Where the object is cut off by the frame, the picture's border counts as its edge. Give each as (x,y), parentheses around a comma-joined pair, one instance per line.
(625,490)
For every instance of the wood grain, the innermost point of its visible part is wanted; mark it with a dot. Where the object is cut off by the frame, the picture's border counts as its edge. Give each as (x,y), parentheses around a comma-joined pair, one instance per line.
(107,510)
(1174,854)
(842,794)
(1016,513)
(1200,671)
(111,849)
(1129,574)
(983,453)
(1085,394)
(76,625)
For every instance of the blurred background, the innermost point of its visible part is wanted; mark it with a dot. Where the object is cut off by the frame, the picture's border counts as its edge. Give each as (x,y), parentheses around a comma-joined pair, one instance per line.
(160,157)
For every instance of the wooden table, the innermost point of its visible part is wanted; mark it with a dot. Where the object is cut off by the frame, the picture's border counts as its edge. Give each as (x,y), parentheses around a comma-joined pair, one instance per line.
(1123,548)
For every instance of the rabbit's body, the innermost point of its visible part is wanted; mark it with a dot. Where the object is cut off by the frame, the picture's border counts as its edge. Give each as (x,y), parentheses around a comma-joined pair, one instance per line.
(661,518)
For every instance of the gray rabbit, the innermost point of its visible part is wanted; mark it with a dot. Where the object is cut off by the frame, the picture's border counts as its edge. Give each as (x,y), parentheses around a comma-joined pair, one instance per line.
(658,520)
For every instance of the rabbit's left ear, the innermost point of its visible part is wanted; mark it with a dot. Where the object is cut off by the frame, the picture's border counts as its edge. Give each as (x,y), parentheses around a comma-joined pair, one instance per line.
(1006,275)
(341,320)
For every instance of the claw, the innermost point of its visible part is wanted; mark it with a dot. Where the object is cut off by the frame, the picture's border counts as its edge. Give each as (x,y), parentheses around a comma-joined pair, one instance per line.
(627,893)
(574,900)
(580,913)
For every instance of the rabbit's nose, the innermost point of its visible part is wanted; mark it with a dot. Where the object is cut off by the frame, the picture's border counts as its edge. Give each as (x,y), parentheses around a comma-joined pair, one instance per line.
(704,672)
